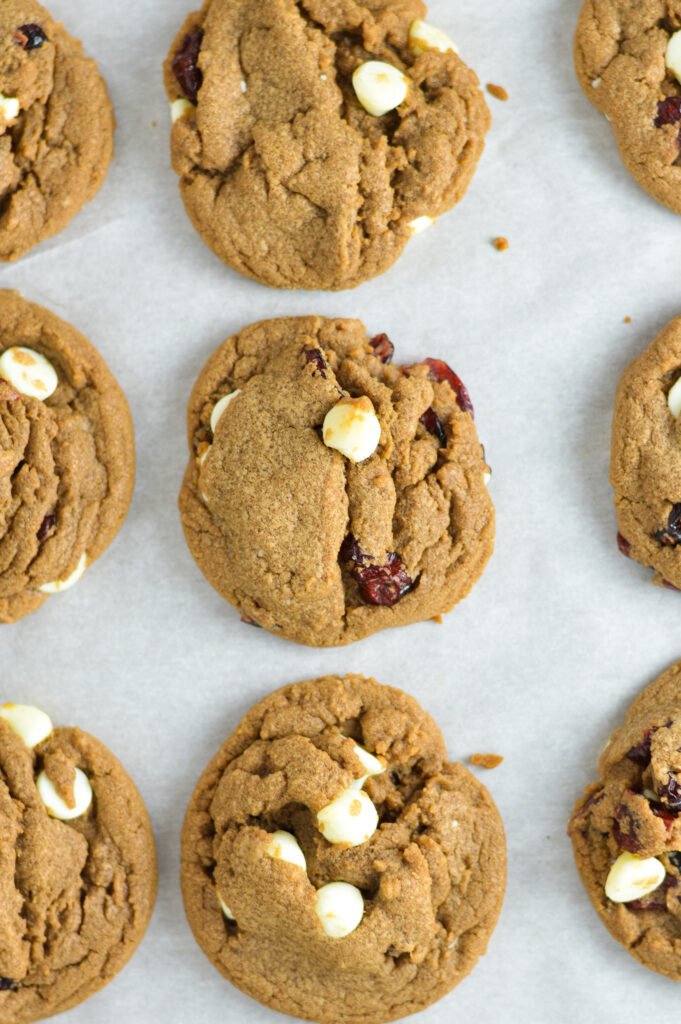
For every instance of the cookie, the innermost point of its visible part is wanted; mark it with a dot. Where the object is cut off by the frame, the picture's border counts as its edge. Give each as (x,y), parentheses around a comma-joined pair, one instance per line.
(626,830)
(645,465)
(628,61)
(330,494)
(67,456)
(56,127)
(77,866)
(312,140)
(335,865)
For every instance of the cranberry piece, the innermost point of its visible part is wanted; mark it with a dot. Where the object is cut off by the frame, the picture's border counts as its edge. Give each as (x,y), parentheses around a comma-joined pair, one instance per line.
(48,523)
(7,985)
(624,545)
(670,586)
(624,830)
(660,811)
(440,371)
(640,754)
(378,584)
(250,622)
(30,37)
(316,358)
(433,425)
(15,396)
(671,533)
(383,347)
(189,76)
(668,111)
(671,794)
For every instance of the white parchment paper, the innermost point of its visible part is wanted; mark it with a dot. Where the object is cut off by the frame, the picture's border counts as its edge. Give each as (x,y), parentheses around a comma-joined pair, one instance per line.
(541,661)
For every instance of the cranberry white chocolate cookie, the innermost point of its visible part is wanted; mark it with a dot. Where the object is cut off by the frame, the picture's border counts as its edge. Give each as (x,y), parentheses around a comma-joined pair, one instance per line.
(330,494)
(77,866)
(56,127)
(335,865)
(313,139)
(67,456)
(626,830)
(628,61)
(645,465)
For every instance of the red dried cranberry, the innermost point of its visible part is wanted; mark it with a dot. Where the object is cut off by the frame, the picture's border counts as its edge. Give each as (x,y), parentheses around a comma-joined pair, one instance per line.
(383,347)
(671,533)
(15,396)
(656,900)
(30,37)
(48,523)
(185,68)
(250,622)
(670,586)
(625,830)
(433,425)
(440,371)
(660,811)
(671,794)
(668,111)
(640,754)
(624,545)
(7,985)
(316,358)
(378,584)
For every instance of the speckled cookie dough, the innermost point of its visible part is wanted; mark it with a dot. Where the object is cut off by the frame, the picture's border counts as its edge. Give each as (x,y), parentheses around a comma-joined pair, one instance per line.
(628,61)
(56,127)
(313,138)
(77,866)
(330,494)
(310,913)
(67,456)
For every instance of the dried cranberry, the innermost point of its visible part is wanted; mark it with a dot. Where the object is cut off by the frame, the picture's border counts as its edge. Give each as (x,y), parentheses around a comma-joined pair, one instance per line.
(668,111)
(7,985)
(433,425)
(30,37)
(660,811)
(671,794)
(670,586)
(671,533)
(656,900)
(439,371)
(15,396)
(378,584)
(383,347)
(189,76)
(48,523)
(640,754)
(316,358)
(250,622)
(624,830)
(624,545)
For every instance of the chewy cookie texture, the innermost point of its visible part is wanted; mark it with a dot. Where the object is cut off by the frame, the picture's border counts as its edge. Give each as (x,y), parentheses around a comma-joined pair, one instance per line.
(626,830)
(628,61)
(330,494)
(77,866)
(335,865)
(313,138)
(645,467)
(56,127)
(67,457)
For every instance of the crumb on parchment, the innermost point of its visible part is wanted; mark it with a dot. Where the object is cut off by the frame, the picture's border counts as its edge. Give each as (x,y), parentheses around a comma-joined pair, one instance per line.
(497,91)
(486,760)
(501,244)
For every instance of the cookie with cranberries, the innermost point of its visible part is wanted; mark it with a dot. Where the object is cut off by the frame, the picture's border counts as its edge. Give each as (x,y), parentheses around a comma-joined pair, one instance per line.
(330,492)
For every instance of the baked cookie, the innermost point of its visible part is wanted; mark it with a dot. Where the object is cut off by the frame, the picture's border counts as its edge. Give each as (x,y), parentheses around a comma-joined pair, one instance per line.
(67,456)
(335,865)
(313,138)
(329,494)
(626,830)
(645,466)
(77,866)
(56,127)
(628,61)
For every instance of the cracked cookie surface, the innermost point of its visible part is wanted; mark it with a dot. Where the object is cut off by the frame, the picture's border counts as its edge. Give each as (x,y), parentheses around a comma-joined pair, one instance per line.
(67,464)
(76,896)
(645,465)
(282,172)
(274,518)
(620,61)
(634,808)
(432,876)
(56,149)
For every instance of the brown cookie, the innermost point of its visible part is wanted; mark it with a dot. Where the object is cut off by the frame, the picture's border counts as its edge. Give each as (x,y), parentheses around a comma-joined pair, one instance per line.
(626,830)
(645,466)
(56,127)
(67,456)
(283,172)
(77,866)
(305,542)
(424,870)
(620,49)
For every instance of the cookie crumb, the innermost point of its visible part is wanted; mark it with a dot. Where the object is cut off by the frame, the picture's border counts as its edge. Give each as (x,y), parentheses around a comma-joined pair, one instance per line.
(437,619)
(501,244)
(154,124)
(486,760)
(627,319)
(497,91)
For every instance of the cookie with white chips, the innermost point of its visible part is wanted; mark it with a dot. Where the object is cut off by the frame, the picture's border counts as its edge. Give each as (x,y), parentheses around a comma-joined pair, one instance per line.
(78,870)
(67,456)
(335,865)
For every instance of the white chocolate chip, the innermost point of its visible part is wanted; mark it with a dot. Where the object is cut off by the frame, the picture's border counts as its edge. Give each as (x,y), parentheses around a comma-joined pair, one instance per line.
(350,818)
(486,477)
(29,372)
(421,224)
(423,36)
(672,57)
(28,722)
(379,87)
(352,428)
(58,586)
(243,86)
(371,765)
(596,82)
(220,407)
(180,108)
(674,399)
(284,846)
(631,877)
(225,909)
(82,792)
(204,455)
(323,78)
(9,107)
(340,908)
